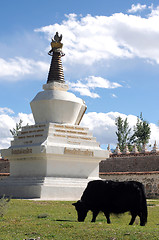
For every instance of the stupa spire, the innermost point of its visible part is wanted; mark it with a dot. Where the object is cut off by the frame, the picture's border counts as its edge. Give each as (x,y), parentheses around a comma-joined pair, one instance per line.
(56,69)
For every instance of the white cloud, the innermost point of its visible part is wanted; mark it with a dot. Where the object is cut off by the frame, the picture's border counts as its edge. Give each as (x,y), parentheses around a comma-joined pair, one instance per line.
(113,95)
(136,8)
(83,90)
(8,122)
(154,134)
(18,67)
(6,110)
(26,118)
(90,39)
(84,86)
(154,12)
(99,82)
(103,126)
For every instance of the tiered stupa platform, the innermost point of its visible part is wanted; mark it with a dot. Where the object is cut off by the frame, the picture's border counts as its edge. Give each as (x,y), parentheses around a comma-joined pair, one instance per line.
(52,161)
(55,158)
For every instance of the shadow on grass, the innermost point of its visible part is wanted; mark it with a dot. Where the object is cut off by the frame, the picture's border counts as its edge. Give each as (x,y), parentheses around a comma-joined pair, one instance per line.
(64,220)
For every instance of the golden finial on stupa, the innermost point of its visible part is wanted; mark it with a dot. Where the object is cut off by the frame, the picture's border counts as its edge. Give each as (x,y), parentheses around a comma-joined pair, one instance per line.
(56,45)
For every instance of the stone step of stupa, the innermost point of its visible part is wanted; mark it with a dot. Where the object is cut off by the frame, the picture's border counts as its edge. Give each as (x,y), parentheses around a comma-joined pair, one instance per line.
(55,134)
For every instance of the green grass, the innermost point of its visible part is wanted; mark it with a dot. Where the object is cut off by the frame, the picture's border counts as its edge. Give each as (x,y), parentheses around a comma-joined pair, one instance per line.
(26,219)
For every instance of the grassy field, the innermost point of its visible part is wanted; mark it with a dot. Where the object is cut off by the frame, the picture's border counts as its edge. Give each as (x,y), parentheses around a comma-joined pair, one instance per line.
(26,219)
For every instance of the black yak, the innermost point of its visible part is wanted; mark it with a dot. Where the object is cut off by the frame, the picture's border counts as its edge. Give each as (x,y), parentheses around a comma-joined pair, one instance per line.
(113,197)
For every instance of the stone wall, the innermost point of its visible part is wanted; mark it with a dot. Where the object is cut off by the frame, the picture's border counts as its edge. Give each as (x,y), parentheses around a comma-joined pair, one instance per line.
(139,167)
(149,179)
(142,167)
(4,166)
(130,163)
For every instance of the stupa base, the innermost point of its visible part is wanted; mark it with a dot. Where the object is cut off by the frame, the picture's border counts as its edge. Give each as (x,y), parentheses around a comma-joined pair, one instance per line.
(47,188)
(51,162)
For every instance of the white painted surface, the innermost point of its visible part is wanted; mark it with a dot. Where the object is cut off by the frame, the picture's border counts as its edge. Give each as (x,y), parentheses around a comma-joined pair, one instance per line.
(65,189)
(54,150)
(52,161)
(55,158)
(55,86)
(57,106)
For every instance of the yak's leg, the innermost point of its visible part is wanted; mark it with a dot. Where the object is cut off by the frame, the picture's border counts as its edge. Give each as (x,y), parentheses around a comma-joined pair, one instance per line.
(95,213)
(133,216)
(107,217)
(142,220)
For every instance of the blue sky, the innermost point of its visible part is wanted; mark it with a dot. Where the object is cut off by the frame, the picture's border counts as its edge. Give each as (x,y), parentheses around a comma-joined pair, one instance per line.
(111,61)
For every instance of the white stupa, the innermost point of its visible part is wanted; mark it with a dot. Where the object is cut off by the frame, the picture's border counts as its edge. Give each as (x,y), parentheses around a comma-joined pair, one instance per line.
(55,158)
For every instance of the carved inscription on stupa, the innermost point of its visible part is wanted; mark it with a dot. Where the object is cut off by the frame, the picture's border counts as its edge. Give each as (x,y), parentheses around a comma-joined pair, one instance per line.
(76,151)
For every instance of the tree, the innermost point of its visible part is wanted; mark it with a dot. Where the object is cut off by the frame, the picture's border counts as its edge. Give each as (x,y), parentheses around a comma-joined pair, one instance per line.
(15,130)
(123,132)
(142,132)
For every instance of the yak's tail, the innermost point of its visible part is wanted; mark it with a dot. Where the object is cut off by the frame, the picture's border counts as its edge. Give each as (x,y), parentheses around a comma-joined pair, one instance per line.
(143,207)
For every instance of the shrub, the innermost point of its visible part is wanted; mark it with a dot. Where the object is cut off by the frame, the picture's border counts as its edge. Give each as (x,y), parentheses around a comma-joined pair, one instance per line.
(4,204)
